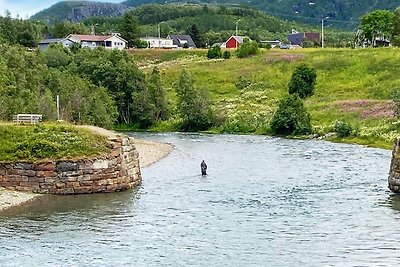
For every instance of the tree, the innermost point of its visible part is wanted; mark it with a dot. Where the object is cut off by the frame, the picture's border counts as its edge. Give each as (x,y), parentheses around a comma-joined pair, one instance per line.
(396,28)
(129,29)
(194,32)
(64,28)
(158,95)
(303,81)
(194,105)
(377,25)
(56,56)
(291,117)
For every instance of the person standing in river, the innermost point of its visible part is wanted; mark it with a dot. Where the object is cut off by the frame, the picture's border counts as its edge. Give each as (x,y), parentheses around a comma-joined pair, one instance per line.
(203,166)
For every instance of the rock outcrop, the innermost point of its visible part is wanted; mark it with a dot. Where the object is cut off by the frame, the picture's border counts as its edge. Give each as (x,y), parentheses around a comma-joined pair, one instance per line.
(95,9)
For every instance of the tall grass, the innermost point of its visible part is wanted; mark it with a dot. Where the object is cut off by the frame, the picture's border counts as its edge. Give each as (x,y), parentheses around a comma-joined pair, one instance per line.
(48,141)
(346,78)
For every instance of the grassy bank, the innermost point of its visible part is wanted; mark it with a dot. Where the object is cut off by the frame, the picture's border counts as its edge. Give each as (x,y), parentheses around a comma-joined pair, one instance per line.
(48,141)
(354,86)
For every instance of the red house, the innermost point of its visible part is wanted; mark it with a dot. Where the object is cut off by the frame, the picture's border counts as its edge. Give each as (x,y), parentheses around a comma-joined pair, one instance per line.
(233,42)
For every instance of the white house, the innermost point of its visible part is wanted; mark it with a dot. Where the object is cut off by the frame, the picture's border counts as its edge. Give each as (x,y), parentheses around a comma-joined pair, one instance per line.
(92,41)
(155,42)
(273,44)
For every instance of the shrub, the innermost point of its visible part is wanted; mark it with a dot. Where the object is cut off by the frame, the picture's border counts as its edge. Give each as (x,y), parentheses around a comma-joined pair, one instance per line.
(242,83)
(395,95)
(343,129)
(226,55)
(214,52)
(303,81)
(248,48)
(291,117)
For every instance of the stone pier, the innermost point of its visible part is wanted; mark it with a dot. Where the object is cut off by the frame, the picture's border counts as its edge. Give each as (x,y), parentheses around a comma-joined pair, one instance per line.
(116,171)
(394,173)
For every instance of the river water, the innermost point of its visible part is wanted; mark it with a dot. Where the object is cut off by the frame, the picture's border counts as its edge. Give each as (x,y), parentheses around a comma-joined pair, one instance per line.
(265,202)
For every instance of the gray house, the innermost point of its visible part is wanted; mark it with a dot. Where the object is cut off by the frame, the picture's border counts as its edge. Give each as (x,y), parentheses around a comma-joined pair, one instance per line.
(297,38)
(182,41)
(44,44)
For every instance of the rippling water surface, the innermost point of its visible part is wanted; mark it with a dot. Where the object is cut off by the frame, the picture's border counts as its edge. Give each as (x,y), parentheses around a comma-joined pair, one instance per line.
(265,202)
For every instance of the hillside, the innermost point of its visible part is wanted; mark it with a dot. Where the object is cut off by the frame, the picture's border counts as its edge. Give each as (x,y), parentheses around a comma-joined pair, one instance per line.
(76,11)
(354,86)
(343,14)
(214,23)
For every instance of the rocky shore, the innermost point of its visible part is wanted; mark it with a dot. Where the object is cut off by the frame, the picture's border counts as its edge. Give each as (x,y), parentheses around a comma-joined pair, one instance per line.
(149,153)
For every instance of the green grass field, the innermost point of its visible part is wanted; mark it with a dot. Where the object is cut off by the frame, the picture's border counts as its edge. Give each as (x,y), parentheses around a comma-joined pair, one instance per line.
(353,85)
(48,142)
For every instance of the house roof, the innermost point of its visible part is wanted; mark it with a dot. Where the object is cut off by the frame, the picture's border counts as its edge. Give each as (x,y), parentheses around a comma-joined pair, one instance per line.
(50,41)
(90,38)
(93,38)
(177,40)
(238,38)
(154,38)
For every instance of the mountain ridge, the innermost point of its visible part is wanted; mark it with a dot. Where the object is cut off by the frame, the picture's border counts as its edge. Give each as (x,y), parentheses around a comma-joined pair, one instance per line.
(343,14)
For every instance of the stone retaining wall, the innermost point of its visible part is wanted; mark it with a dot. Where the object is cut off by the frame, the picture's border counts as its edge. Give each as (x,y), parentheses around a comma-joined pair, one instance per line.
(394,173)
(116,171)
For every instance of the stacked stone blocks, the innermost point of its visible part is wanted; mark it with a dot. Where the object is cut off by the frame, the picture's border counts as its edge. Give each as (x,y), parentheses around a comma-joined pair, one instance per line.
(394,173)
(116,171)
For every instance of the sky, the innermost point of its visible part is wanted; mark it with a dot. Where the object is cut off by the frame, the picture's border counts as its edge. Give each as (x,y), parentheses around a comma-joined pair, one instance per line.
(27,8)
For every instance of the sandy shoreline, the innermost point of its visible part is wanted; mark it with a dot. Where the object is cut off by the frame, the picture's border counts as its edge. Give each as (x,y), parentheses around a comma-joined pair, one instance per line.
(149,153)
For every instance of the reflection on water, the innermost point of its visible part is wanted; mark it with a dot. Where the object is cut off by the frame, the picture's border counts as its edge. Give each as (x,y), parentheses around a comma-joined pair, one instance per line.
(393,201)
(265,202)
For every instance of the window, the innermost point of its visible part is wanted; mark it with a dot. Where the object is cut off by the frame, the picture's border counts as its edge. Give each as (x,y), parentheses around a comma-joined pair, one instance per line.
(108,43)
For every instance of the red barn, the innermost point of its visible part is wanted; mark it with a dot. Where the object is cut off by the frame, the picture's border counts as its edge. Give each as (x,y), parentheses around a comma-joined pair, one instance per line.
(234,42)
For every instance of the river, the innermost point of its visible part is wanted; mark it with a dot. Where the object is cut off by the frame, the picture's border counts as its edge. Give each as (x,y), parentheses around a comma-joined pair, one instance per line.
(265,202)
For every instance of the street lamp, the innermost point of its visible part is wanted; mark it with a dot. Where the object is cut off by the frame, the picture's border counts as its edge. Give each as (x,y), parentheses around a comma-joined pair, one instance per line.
(237,22)
(322,31)
(236,42)
(159,34)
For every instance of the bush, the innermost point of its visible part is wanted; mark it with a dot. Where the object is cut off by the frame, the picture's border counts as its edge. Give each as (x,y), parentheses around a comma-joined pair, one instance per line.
(214,52)
(242,83)
(248,48)
(343,129)
(395,95)
(303,81)
(291,117)
(226,55)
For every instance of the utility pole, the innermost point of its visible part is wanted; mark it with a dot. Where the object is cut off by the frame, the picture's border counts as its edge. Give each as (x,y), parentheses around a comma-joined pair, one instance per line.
(322,31)
(237,22)
(159,34)
(58,108)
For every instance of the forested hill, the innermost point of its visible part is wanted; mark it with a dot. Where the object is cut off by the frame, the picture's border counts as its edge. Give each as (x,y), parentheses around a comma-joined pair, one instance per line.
(76,11)
(343,13)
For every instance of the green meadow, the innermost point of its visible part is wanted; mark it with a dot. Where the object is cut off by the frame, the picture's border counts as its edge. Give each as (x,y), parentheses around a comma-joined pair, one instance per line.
(353,85)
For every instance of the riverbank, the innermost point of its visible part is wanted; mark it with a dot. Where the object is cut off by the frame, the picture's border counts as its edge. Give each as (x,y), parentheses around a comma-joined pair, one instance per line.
(149,153)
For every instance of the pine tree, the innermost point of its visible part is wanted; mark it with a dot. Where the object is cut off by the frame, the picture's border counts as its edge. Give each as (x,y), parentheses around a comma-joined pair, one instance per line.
(130,29)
